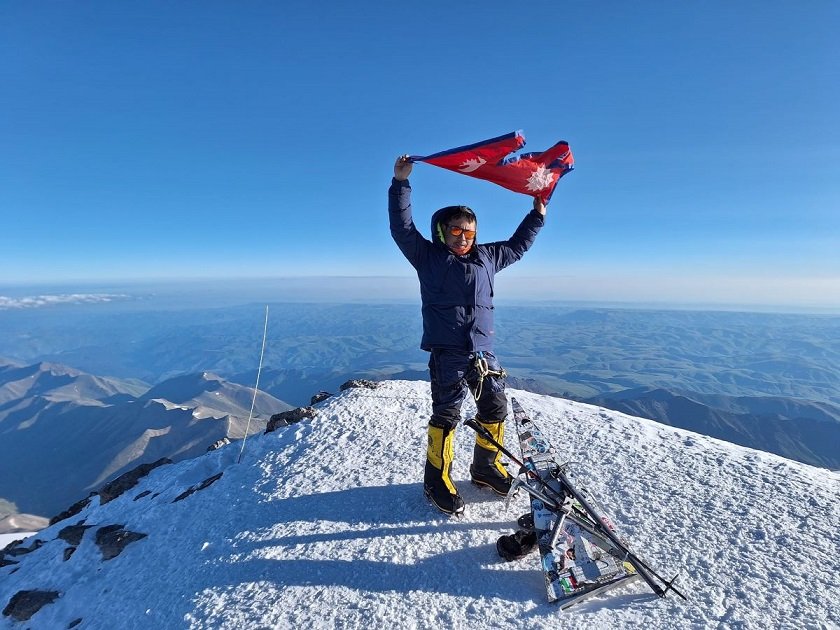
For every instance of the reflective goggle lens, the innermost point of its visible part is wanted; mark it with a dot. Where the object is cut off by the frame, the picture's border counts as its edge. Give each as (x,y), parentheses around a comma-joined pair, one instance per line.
(454,230)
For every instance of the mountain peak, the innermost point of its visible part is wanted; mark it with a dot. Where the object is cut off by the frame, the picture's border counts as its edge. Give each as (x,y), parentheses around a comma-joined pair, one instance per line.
(324,523)
(184,387)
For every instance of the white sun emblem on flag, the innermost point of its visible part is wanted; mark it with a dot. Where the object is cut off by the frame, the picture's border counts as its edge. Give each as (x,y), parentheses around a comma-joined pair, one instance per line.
(540,179)
(472,164)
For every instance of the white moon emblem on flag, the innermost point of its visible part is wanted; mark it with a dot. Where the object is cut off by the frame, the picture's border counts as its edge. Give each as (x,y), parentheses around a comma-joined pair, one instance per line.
(472,164)
(540,179)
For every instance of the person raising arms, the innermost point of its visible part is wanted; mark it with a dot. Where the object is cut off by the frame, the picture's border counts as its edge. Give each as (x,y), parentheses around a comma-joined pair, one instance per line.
(457,277)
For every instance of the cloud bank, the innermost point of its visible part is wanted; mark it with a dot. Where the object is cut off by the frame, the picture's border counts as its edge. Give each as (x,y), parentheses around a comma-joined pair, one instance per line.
(39,301)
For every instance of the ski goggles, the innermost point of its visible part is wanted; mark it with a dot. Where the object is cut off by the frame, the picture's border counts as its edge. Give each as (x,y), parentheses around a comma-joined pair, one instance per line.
(454,230)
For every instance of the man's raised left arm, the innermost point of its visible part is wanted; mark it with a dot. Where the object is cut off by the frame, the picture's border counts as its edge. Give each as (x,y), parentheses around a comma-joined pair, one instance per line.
(509,251)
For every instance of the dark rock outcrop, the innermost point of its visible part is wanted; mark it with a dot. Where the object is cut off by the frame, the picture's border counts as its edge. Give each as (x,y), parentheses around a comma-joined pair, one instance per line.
(24,604)
(112,489)
(72,534)
(74,509)
(127,481)
(11,545)
(16,548)
(322,395)
(113,539)
(289,417)
(354,383)
(218,444)
(207,482)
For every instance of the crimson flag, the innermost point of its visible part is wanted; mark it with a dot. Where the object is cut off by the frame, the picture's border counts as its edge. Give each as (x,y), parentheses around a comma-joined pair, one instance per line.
(532,174)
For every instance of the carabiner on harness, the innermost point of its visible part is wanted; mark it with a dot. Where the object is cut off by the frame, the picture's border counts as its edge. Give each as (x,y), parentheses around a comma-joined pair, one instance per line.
(483,370)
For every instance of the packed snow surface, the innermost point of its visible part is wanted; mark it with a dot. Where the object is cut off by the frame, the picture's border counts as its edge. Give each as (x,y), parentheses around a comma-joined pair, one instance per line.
(323,524)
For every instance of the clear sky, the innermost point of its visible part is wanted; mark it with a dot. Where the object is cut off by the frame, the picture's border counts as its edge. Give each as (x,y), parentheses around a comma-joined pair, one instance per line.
(224,139)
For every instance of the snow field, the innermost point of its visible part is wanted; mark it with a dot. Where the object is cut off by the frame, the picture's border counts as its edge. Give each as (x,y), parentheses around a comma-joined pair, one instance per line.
(324,525)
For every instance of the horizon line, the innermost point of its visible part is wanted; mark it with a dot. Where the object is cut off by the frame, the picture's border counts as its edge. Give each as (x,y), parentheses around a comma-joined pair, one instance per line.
(223,285)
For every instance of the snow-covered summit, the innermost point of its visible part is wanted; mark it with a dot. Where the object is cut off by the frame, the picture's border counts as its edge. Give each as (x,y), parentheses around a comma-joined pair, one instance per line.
(324,524)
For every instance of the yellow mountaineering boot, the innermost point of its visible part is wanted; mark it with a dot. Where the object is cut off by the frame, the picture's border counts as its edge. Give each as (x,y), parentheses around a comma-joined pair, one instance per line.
(437,484)
(487,469)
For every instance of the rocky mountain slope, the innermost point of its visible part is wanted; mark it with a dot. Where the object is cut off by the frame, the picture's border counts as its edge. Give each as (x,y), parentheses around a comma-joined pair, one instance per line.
(64,432)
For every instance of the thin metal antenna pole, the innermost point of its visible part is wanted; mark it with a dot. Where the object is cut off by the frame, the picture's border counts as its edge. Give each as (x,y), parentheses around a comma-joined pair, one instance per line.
(256,386)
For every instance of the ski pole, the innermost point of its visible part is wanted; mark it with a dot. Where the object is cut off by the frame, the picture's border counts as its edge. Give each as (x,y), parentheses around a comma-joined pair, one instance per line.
(644,569)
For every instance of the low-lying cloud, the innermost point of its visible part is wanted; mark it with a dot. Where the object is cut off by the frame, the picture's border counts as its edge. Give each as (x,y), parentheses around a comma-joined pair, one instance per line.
(40,301)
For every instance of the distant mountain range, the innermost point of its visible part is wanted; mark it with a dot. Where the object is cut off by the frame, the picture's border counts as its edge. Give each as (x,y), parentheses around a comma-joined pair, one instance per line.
(768,381)
(578,352)
(806,431)
(64,432)
(15,523)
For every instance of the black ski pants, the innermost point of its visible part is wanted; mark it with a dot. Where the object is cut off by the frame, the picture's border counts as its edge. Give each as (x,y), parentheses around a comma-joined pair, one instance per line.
(452,373)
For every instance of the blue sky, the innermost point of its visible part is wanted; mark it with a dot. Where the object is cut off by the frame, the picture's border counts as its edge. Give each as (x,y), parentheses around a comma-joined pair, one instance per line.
(227,139)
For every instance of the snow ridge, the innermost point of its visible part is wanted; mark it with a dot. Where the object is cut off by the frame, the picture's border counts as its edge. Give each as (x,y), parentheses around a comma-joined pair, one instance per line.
(323,524)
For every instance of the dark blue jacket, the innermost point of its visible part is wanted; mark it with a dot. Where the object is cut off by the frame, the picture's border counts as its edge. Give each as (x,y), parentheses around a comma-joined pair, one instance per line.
(456,291)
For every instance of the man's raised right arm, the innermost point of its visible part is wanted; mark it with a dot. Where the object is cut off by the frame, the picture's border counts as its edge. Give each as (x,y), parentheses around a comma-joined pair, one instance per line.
(405,234)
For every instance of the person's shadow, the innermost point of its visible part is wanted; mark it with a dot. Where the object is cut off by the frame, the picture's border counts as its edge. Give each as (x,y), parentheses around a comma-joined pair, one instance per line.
(386,538)
(383,539)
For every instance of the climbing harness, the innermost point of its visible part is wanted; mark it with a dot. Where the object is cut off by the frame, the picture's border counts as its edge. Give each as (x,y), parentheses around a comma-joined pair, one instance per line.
(483,370)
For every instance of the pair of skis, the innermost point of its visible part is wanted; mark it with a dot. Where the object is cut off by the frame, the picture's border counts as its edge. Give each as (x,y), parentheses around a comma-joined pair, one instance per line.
(581,553)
